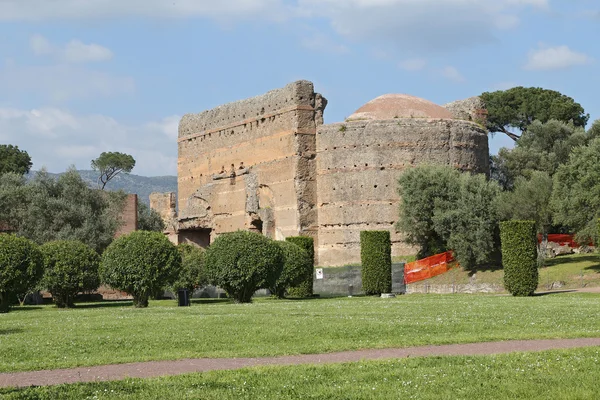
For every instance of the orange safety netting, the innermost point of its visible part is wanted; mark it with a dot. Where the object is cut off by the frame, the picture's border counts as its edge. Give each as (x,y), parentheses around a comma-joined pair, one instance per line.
(562,240)
(428,267)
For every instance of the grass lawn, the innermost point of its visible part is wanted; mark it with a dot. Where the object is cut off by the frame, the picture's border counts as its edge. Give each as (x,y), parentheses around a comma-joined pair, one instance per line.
(34,338)
(564,374)
(573,270)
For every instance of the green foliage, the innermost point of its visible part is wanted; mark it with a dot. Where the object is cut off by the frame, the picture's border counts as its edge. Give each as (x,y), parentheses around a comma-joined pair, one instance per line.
(519,257)
(149,219)
(376,260)
(297,268)
(468,222)
(67,209)
(14,198)
(243,262)
(519,107)
(70,267)
(111,164)
(529,200)
(140,264)
(14,160)
(304,289)
(21,268)
(576,195)
(543,147)
(420,188)
(192,274)
(443,209)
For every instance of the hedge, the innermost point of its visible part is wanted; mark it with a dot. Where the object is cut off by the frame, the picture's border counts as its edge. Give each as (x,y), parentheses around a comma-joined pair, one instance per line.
(242,262)
(376,259)
(297,268)
(21,268)
(305,288)
(192,274)
(519,257)
(140,264)
(70,267)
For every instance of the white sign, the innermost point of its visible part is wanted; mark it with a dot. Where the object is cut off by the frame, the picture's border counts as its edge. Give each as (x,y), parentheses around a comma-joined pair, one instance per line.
(319,272)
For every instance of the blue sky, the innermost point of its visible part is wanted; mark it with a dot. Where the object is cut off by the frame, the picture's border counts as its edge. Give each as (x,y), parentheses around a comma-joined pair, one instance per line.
(81,77)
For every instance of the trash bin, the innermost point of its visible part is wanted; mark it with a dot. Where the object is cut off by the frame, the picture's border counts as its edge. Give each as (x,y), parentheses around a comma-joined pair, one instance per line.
(183,295)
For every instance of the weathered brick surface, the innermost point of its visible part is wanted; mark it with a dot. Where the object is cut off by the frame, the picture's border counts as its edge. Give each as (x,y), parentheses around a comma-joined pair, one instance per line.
(129,216)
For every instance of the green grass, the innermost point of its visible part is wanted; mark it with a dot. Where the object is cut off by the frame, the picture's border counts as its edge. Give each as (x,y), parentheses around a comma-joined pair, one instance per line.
(564,374)
(568,269)
(34,338)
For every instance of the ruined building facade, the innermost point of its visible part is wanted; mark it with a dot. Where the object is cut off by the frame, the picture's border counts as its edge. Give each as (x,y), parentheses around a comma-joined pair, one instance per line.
(269,165)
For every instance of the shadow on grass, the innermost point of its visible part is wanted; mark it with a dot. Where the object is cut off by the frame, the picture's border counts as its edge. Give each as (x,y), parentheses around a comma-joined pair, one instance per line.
(10,331)
(556,292)
(208,301)
(105,304)
(25,308)
(573,258)
(595,267)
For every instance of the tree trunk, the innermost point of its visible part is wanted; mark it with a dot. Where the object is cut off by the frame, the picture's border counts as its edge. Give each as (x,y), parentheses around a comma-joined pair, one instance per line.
(140,300)
(4,302)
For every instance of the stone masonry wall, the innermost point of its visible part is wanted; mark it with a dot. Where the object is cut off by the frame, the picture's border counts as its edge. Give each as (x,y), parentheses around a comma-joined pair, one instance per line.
(358,164)
(250,164)
(129,216)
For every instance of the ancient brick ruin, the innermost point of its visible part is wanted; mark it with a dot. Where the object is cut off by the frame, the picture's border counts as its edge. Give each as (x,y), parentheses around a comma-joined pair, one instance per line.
(268,164)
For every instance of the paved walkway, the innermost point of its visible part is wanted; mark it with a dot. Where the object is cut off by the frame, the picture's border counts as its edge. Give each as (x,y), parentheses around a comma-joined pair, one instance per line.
(162,368)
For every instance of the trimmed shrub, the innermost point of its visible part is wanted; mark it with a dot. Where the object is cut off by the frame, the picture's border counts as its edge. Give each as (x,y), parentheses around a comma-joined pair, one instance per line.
(243,262)
(376,259)
(70,267)
(192,273)
(305,288)
(519,257)
(297,268)
(140,264)
(21,268)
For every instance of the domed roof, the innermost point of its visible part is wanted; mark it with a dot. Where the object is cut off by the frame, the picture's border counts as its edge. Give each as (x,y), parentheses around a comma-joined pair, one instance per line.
(391,106)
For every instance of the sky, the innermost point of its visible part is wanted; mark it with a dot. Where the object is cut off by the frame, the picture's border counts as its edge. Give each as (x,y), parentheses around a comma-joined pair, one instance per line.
(81,77)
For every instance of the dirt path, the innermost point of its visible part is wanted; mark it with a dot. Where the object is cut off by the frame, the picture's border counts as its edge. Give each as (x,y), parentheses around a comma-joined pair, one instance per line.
(162,368)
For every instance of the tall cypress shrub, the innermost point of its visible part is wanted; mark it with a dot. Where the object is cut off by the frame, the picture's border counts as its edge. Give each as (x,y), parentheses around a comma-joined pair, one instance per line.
(304,289)
(376,259)
(519,257)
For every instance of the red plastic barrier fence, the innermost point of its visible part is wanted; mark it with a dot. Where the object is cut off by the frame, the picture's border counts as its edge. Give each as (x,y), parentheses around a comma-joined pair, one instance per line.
(562,240)
(428,267)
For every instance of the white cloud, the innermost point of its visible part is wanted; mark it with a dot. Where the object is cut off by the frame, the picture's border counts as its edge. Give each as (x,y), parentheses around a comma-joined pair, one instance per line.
(57,138)
(420,25)
(73,52)
(452,74)
(57,83)
(40,10)
(554,58)
(414,64)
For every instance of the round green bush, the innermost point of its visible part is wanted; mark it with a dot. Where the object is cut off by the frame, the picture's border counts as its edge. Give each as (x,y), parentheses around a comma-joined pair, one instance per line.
(140,264)
(192,274)
(70,267)
(21,268)
(376,259)
(519,257)
(243,262)
(297,268)
(305,288)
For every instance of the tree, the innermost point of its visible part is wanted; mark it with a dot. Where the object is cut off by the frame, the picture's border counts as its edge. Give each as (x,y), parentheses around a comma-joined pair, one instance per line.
(443,209)
(297,268)
(140,264)
(149,219)
(528,201)
(420,188)
(576,194)
(193,272)
(519,107)
(110,165)
(14,160)
(242,262)
(376,262)
(519,254)
(70,267)
(67,209)
(21,267)
(542,147)
(14,198)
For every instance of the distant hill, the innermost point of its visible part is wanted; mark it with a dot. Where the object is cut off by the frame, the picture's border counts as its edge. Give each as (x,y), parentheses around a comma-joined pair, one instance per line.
(129,183)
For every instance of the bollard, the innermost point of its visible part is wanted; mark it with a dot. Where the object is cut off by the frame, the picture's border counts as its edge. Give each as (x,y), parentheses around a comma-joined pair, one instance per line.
(183,298)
